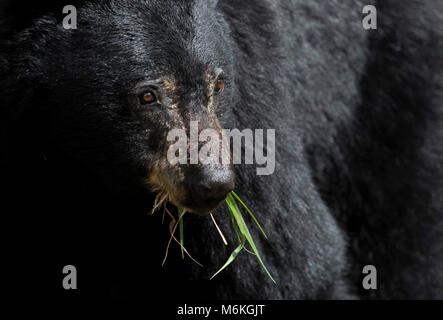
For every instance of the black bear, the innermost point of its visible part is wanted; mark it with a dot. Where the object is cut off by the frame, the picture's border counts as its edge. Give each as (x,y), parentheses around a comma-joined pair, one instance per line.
(85,114)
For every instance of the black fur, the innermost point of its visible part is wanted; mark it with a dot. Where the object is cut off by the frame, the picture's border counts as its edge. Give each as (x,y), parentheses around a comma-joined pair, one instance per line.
(358,122)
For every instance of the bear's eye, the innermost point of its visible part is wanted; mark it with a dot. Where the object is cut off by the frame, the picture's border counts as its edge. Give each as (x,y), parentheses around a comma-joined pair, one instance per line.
(148,97)
(219,85)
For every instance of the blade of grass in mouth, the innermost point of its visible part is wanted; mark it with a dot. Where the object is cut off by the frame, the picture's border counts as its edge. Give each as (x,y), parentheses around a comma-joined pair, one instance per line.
(250,213)
(241,231)
(236,214)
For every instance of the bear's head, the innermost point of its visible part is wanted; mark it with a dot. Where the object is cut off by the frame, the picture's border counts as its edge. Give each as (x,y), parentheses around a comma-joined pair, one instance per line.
(108,94)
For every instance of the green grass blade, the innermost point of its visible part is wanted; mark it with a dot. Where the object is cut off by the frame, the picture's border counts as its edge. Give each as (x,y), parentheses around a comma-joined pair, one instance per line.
(235,226)
(249,251)
(250,213)
(240,228)
(239,248)
(233,208)
(180,225)
(232,256)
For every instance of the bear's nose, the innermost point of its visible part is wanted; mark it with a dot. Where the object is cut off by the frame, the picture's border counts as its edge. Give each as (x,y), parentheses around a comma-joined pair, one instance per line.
(211,187)
(214,190)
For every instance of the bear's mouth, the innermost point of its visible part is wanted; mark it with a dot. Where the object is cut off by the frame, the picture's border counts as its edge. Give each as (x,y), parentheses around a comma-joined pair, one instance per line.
(193,194)
(205,209)
(163,198)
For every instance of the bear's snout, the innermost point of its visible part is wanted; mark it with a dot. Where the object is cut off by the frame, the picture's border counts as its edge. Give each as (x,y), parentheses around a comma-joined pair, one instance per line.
(208,186)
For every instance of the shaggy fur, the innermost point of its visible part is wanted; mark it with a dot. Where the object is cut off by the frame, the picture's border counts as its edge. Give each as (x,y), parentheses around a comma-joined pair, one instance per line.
(359,159)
